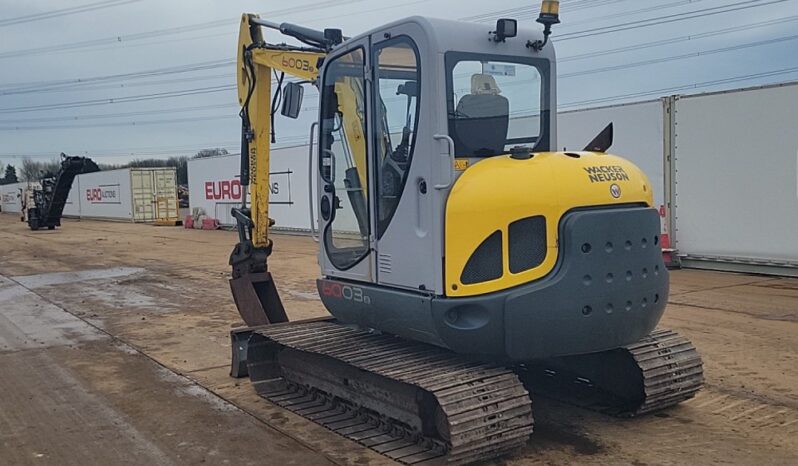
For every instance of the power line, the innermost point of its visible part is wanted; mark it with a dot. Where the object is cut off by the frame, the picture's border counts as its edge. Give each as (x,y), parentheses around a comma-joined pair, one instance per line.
(64,12)
(636,47)
(133,98)
(674,40)
(29,87)
(166,31)
(530,9)
(125,85)
(658,21)
(127,123)
(669,90)
(123,151)
(678,57)
(40,85)
(144,113)
(625,13)
(659,92)
(225,34)
(119,115)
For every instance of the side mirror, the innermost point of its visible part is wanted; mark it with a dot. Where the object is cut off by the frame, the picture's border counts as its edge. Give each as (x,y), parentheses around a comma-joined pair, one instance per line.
(505,28)
(292,100)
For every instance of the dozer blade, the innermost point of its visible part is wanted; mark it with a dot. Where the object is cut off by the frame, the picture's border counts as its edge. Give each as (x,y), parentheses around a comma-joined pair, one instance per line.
(257,300)
(412,402)
(659,371)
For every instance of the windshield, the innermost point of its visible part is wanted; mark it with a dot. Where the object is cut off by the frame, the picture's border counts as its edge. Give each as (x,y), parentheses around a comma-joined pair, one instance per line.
(494,104)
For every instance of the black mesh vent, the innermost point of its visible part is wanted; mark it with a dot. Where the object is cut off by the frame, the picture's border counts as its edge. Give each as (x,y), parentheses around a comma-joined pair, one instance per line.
(527,238)
(486,261)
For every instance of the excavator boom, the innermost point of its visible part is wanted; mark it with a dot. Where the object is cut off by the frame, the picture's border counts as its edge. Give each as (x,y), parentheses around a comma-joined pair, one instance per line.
(252,285)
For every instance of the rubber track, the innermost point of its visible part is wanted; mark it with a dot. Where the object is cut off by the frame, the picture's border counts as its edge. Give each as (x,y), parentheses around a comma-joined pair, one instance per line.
(671,367)
(664,366)
(486,409)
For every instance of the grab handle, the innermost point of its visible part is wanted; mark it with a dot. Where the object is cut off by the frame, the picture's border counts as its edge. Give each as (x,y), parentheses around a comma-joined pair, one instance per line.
(311,172)
(450,158)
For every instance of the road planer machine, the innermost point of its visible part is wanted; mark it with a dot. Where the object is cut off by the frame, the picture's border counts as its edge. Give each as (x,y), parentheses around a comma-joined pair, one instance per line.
(44,205)
(467,264)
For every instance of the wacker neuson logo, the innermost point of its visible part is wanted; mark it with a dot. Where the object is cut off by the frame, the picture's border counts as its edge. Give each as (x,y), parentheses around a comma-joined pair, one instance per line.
(606,173)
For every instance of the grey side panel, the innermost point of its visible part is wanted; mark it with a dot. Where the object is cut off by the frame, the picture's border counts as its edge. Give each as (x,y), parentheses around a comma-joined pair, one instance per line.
(402,313)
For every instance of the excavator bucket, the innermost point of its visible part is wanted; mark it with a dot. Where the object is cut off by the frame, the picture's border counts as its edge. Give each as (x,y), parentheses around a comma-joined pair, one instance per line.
(258,304)
(257,300)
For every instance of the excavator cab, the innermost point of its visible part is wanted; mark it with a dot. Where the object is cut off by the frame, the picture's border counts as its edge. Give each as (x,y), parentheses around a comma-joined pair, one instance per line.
(398,105)
(446,216)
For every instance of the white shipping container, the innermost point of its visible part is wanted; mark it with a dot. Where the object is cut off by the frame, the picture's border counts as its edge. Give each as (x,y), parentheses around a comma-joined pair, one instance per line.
(72,205)
(736,194)
(10,199)
(133,194)
(105,194)
(214,185)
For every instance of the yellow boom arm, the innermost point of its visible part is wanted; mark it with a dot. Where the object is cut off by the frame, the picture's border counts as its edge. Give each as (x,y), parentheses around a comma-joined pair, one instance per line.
(256,62)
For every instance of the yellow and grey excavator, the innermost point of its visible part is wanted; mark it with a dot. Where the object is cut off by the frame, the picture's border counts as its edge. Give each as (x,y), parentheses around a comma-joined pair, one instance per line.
(466,263)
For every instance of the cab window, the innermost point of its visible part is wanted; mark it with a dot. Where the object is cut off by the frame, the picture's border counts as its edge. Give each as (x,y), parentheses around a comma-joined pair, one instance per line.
(397,89)
(494,104)
(342,159)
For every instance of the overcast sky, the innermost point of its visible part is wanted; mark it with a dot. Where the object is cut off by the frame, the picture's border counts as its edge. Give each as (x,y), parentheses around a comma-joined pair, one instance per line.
(47,45)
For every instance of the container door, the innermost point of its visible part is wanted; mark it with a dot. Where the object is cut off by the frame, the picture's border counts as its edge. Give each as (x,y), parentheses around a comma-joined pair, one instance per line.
(143,197)
(166,208)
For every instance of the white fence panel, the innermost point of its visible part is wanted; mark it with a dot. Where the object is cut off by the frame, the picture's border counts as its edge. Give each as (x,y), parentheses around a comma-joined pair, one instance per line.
(736,200)
(105,194)
(214,185)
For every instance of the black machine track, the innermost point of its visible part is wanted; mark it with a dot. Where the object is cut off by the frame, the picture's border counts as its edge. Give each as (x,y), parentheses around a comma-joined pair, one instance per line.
(661,370)
(413,402)
(421,404)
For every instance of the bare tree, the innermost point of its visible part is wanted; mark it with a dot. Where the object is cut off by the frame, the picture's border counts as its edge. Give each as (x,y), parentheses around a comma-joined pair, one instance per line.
(34,170)
(210,152)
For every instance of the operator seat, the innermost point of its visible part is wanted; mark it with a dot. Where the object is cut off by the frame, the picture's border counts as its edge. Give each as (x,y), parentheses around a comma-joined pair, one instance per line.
(481,119)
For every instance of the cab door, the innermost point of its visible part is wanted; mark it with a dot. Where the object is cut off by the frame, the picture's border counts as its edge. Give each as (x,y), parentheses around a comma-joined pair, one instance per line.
(406,194)
(344,202)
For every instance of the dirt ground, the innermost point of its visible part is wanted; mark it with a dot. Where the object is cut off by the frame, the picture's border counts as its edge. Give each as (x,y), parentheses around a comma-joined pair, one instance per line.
(114,350)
